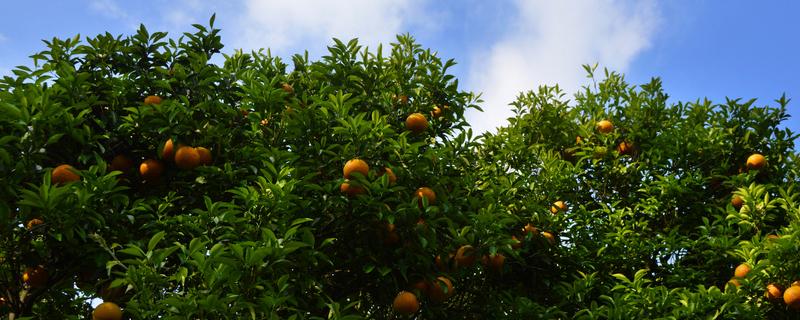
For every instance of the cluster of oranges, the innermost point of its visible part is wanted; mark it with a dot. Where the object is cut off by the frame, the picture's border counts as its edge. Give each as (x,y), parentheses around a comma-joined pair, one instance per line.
(406,302)
(150,170)
(773,291)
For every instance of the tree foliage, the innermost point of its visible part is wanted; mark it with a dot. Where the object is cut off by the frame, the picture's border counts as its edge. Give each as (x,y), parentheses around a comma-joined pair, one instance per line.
(271,229)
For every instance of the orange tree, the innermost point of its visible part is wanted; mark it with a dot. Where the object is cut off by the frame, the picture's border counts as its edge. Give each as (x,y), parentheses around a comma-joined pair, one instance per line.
(135,171)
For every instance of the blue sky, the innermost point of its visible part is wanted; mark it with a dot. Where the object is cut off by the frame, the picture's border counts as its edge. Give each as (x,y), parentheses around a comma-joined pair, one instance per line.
(700,49)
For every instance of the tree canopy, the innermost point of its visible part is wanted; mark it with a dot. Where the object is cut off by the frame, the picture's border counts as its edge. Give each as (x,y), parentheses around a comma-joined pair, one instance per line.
(135,171)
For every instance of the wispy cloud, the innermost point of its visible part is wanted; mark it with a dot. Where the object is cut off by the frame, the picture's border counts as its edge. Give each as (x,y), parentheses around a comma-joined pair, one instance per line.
(547,45)
(3,38)
(290,26)
(108,8)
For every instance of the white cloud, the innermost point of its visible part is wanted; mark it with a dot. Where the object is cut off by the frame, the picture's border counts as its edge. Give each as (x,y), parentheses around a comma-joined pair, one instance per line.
(548,42)
(291,26)
(3,38)
(108,8)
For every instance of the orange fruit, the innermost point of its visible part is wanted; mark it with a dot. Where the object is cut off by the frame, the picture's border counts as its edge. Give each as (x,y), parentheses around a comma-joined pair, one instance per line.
(64,174)
(442,264)
(625,147)
(465,256)
(437,112)
(773,292)
(756,161)
(36,277)
(403,99)
(353,166)
(741,271)
(152,100)
(187,158)
(792,297)
(605,126)
(121,162)
(734,282)
(737,202)
(427,193)
(287,88)
(421,286)
(405,303)
(516,244)
(529,228)
(151,170)
(416,123)
(391,237)
(350,190)
(773,237)
(107,311)
(441,289)
(388,171)
(33,222)
(558,206)
(550,237)
(167,150)
(495,262)
(205,156)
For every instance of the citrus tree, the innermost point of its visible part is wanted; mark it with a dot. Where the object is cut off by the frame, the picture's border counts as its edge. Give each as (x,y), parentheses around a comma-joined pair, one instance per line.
(137,173)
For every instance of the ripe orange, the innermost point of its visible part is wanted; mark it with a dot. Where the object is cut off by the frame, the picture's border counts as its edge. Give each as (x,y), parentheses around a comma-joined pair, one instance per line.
(735,282)
(516,244)
(741,271)
(441,289)
(152,100)
(605,126)
(773,237)
(121,162)
(187,158)
(550,237)
(167,150)
(403,99)
(756,161)
(33,222)
(350,190)
(558,206)
(625,147)
(442,264)
(64,174)
(427,193)
(773,292)
(388,171)
(287,88)
(36,277)
(416,123)
(405,303)
(353,166)
(391,237)
(465,256)
(205,156)
(107,311)
(437,112)
(151,170)
(792,297)
(529,228)
(737,202)
(421,286)
(495,262)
